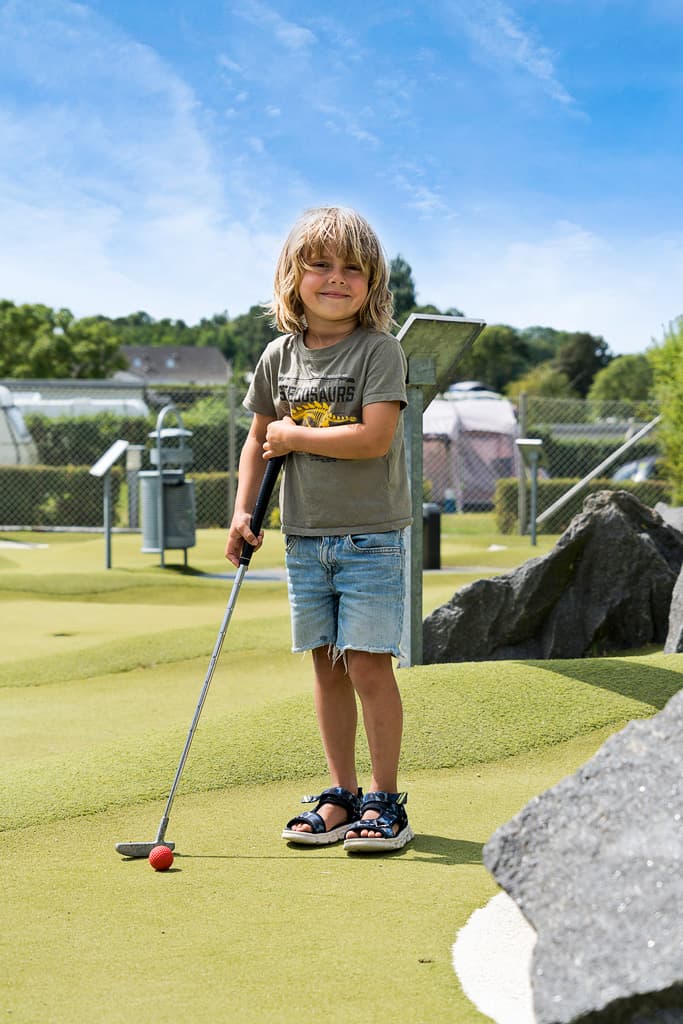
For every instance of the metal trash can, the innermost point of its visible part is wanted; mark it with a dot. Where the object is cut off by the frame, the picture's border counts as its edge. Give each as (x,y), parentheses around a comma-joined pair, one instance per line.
(431,536)
(168,499)
(179,510)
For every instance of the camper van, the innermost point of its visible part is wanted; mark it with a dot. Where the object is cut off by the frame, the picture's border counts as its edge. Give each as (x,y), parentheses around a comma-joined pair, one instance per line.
(468,443)
(17,447)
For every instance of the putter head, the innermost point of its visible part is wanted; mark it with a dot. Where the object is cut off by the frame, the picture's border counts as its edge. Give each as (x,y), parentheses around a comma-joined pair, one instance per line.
(138,850)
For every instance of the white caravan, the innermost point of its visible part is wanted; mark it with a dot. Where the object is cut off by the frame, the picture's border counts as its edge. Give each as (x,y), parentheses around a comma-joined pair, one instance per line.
(17,447)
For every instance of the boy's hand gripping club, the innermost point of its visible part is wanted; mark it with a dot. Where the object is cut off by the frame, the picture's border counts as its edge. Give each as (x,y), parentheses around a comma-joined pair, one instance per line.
(258,515)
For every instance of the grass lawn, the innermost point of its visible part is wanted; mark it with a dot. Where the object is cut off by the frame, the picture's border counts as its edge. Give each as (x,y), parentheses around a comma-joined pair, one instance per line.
(99,677)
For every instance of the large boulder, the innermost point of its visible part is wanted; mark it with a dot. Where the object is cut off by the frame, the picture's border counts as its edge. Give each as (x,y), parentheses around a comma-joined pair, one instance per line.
(674,639)
(606,586)
(595,864)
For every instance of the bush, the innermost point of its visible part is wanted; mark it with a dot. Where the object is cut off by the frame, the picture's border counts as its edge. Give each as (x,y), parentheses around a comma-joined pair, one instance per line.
(211,499)
(55,496)
(549,491)
(562,457)
(82,440)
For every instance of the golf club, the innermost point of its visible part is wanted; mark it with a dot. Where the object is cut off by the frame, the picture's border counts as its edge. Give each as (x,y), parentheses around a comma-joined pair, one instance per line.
(265,491)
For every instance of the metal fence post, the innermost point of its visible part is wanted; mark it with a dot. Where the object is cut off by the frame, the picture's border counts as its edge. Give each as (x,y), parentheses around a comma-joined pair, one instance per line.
(411,642)
(522,416)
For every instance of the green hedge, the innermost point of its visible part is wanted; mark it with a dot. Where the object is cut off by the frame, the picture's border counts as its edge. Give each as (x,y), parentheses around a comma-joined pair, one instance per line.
(81,440)
(549,491)
(563,457)
(211,500)
(55,496)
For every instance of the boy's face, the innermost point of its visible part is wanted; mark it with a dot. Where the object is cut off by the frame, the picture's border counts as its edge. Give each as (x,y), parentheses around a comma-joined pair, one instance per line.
(333,289)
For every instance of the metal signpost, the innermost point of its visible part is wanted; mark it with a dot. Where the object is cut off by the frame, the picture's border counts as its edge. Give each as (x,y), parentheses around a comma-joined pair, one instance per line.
(102,469)
(530,448)
(434,345)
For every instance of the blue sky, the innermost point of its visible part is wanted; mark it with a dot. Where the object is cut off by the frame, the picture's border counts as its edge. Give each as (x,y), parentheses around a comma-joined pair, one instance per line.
(524,156)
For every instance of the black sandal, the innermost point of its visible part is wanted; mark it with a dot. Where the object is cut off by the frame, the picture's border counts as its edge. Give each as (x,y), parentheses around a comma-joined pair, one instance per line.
(320,836)
(392,812)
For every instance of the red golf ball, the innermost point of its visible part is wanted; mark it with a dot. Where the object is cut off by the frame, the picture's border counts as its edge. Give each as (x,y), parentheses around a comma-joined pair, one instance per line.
(161,858)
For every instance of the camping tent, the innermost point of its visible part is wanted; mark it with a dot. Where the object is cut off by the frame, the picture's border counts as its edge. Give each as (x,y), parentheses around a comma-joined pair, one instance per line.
(468,442)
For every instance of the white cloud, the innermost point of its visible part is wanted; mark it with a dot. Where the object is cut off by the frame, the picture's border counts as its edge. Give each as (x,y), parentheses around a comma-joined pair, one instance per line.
(341,120)
(419,196)
(563,276)
(181,265)
(501,38)
(292,36)
(112,197)
(229,64)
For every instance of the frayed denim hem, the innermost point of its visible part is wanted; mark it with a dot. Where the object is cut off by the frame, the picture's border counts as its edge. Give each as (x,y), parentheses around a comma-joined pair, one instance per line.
(337,654)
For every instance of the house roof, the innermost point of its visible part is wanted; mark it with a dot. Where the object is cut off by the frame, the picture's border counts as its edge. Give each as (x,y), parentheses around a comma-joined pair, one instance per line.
(174,364)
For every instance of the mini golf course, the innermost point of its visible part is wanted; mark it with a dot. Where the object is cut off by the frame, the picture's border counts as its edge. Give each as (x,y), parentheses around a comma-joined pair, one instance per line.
(99,677)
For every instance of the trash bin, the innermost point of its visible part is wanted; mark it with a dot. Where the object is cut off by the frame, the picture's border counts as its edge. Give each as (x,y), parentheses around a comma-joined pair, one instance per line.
(431,536)
(178,511)
(167,498)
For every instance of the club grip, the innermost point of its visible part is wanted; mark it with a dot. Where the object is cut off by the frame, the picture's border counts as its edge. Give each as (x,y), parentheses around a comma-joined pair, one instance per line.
(266,489)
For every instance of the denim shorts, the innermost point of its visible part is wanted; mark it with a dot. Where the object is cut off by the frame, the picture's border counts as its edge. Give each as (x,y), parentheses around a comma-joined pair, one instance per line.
(347,593)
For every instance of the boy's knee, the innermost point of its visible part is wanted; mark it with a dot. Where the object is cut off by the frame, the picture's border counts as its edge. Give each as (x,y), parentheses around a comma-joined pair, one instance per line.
(368,669)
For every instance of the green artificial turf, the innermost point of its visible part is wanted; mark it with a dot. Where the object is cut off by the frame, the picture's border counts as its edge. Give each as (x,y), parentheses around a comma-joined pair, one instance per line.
(245,928)
(99,678)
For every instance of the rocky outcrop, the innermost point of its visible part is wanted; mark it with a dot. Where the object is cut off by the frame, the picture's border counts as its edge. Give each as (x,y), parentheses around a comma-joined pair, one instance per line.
(606,586)
(595,865)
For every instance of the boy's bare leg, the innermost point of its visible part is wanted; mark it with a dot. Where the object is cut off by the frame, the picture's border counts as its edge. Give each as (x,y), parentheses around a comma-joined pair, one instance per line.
(335,705)
(373,679)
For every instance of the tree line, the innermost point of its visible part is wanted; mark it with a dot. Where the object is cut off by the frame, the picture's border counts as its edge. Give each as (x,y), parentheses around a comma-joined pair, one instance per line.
(38,342)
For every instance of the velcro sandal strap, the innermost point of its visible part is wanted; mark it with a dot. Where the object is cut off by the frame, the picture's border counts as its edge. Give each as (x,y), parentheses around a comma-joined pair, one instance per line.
(381,801)
(340,797)
(386,828)
(308,818)
(391,811)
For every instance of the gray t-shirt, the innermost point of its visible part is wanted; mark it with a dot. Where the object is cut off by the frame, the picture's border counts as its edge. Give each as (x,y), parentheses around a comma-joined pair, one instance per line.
(326,387)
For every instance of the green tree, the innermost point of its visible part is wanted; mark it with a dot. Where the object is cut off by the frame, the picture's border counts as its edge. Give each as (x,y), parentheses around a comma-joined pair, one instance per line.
(666,359)
(39,342)
(402,287)
(580,356)
(250,333)
(625,378)
(543,343)
(543,381)
(498,356)
(19,327)
(141,329)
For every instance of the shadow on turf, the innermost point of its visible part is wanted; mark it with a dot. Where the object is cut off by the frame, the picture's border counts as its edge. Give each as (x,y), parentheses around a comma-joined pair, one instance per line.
(442,850)
(427,848)
(650,684)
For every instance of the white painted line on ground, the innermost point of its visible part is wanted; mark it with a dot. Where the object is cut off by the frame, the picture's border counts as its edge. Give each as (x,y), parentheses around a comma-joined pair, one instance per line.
(492,958)
(20,544)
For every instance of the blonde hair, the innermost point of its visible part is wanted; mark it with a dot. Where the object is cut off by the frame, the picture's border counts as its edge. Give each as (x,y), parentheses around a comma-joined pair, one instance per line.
(349,235)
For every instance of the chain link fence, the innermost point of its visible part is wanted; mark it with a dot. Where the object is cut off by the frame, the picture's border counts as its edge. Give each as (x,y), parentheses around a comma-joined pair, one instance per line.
(471,461)
(57,431)
(469,453)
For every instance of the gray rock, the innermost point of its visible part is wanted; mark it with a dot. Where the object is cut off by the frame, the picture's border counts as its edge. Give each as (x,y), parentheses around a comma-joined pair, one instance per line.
(594,864)
(674,638)
(671,514)
(605,586)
